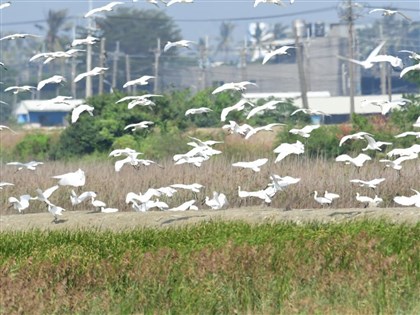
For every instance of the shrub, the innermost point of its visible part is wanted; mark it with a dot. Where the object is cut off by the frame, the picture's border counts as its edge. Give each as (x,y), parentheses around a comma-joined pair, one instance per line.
(33,147)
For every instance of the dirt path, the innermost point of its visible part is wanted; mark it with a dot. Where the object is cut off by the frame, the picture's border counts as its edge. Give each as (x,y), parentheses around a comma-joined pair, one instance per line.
(126,220)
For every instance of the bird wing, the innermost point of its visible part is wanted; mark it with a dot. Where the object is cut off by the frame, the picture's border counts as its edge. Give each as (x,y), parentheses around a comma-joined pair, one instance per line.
(81,76)
(269,56)
(375,51)
(404,16)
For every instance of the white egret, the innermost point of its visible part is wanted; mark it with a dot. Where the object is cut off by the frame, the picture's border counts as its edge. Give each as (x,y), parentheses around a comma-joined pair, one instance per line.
(89,40)
(75,179)
(358,161)
(261,194)
(5,5)
(368,201)
(61,99)
(238,107)
(280,51)
(218,201)
(54,79)
(195,187)
(396,164)
(55,211)
(404,71)
(309,111)
(414,149)
(181,43)
(331,196)
(93,72)
(178,1)
(141,125)
(321,200)
(4,184)
(409,133)
(417,123)
(188,205)
(280,183)
(195,160)
(368,62)
(195,111)
(413,200)
(144,80)
(252,131)
(234,128)
(373,144)
(80,109)
(19,35)
(413,54)
(126,151)
(3,127)
(105,8)
(305,131)
(44,195)
(137,98)
(29,166)
(75,200)
(254,165)
(239,86)
(199,143)
(286,149)
(388,12)
(369,183)
(19,204)
(270,105)
(19,89)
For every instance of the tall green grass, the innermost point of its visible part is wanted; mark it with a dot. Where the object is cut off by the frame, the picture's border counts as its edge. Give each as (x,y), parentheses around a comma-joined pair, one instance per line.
(360,267)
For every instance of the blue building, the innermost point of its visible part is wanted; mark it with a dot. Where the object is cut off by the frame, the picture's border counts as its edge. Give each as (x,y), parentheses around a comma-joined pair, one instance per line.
(44,112)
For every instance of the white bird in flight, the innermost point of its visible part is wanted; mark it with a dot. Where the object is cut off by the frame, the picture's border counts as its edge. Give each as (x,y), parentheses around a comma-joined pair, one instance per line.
(18,36)
(396,164)
(305,131)
(29,166)
(373,144)
(105,8)
(309,111)
(369,61)
(254,165)
(388,12)
(19,89)
(195,111)
(280,51)
(356,136)
(75,179)
(238,107)
(252,131)
(93,72)
(20,204)
(178,1)
(4,184)
(3,127)
(236,86)
(141,125)
(270,105)
(413,200)
(79,110)
(54,79)
(89,40)
(5,5)
(188,205)
(358,161)
(55,211)
(144,80)
(369,183)
(261,194)
(277,2)
(181,43)
(286,149)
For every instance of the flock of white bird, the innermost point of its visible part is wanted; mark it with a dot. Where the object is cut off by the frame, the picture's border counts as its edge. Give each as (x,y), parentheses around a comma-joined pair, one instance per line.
(203,150)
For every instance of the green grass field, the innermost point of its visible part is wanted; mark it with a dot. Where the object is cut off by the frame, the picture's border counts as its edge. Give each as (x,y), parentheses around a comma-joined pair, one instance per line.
(362,267)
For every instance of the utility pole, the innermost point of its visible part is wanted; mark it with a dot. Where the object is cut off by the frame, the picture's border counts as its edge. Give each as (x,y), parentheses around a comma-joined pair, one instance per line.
(243,61)
(115,64)
(89,57)
(204,62)
(351,56)
(382,65)
(299,29)
(73,68)
(156,66)
(102,65)
(127,71)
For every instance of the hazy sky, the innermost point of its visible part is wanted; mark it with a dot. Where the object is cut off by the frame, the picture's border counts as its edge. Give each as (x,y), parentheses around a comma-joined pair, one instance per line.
(203,17)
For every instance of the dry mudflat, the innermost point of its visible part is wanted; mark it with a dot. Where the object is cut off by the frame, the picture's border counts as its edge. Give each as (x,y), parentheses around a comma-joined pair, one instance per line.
(157,219)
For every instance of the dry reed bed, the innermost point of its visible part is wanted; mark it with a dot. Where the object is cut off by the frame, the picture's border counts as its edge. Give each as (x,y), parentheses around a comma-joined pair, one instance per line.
(216,174)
